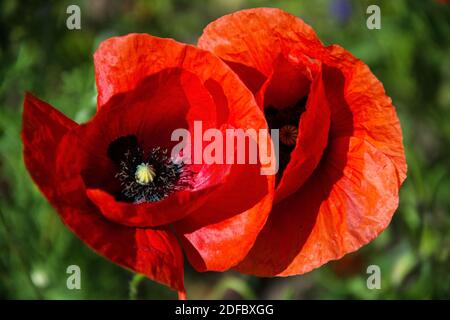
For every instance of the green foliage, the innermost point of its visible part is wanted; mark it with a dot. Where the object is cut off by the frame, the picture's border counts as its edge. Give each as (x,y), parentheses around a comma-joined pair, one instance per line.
(410,55)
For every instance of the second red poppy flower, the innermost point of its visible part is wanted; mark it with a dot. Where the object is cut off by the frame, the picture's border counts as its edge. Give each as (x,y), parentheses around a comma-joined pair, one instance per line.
(341,154)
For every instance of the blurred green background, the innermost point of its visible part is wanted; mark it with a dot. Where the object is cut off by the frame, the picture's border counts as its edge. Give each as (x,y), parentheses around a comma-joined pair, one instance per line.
(410,55)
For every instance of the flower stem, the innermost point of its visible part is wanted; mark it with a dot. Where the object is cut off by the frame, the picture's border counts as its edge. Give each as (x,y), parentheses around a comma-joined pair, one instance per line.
(134,286)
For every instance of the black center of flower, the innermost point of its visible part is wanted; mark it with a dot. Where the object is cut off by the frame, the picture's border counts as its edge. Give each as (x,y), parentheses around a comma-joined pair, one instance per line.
(145,176)
(286,120)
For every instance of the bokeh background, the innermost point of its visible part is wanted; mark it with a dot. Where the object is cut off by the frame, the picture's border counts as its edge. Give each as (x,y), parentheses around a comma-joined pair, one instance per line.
(410,55)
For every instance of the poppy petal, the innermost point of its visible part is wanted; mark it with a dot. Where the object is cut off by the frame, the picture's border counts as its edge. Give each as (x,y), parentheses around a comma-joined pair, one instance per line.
(289,81)
(148,214)
(311,141)
(122,62)
(343,206)
(364,110)
(255,38)
(43,129)
(351,197)
(220,233)
(155,253)
(152,252)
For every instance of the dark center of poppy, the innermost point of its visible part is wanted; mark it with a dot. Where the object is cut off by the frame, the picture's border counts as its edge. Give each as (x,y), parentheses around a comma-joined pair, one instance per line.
(145,176)
(286,120)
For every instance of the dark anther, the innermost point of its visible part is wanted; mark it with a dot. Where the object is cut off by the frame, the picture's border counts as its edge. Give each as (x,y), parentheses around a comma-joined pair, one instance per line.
(146,176)
(286,120)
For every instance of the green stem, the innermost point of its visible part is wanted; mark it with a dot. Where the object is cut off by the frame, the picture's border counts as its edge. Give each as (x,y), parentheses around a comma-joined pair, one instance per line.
(134,286)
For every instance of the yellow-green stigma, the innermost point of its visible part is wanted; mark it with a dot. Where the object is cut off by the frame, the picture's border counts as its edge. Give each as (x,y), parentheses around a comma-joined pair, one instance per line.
(144,174)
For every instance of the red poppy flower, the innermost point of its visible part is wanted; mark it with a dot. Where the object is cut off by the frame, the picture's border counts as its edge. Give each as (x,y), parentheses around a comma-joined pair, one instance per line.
(341,154)
(112,180)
